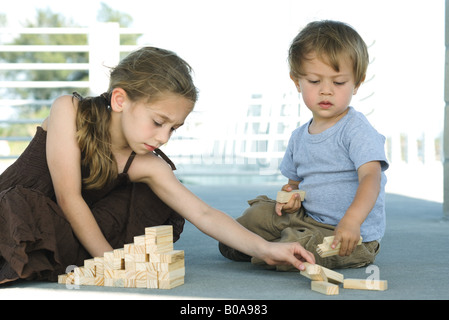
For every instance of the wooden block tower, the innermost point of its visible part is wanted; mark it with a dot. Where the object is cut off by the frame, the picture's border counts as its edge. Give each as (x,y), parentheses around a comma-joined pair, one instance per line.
(149,262)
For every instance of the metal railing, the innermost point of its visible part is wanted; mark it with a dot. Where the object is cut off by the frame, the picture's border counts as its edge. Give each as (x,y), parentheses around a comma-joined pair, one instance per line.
(102,47)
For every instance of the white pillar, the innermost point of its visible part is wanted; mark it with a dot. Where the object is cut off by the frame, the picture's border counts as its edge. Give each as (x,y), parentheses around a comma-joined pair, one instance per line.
(446,121)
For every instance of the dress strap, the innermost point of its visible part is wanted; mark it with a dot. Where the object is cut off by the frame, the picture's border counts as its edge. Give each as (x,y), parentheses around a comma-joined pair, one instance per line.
(163,156)
(157,151)
(128,163)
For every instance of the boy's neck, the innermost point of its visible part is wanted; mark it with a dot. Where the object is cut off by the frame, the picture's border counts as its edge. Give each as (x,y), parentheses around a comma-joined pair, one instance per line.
(321,124)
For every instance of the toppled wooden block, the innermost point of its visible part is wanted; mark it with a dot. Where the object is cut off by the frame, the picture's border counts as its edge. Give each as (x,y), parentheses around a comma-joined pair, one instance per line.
(325,250)
(331,275)
(314,272)
(149,262)
(324,287)
(364,284)
(284,196)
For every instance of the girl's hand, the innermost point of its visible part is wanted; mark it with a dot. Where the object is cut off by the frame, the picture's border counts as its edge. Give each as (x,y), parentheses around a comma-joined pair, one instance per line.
(293,205)
(281,253)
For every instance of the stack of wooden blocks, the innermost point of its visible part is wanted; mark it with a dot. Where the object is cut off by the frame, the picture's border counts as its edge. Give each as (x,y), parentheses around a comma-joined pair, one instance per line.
(150,262)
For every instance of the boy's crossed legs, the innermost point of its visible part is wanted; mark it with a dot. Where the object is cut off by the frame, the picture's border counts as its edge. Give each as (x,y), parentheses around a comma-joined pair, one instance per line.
(261,219)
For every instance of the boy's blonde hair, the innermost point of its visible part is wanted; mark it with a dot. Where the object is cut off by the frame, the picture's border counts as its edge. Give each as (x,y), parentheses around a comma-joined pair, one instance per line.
(330,41)
(146,75)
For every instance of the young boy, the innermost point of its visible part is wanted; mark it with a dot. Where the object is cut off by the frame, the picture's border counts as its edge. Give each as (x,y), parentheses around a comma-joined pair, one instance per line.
(337,158)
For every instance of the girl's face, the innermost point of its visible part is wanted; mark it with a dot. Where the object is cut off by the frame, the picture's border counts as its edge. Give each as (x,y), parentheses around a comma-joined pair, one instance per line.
(148,126)
(326,92)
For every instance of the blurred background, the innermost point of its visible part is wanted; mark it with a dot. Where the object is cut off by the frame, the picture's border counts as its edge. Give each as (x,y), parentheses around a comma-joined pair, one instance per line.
(248,106)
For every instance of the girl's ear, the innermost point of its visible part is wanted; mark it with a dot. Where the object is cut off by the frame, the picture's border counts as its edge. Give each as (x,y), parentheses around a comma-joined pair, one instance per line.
(118,98)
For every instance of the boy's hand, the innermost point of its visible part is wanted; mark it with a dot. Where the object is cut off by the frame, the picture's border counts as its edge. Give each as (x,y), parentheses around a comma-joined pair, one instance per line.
(348,234)
(293,205)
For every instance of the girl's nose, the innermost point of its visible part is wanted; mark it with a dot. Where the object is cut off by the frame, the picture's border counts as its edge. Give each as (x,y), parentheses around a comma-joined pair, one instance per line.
(163,136)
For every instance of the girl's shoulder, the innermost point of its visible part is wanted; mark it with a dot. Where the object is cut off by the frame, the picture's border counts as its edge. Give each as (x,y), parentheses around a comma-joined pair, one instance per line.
(65,101)
(146,167)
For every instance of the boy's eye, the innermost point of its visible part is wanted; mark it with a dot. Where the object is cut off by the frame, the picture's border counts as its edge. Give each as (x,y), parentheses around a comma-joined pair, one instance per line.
(314,81)
(339,83)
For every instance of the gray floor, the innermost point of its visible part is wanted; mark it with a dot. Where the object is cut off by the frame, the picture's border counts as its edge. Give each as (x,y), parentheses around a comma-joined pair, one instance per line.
(414,259)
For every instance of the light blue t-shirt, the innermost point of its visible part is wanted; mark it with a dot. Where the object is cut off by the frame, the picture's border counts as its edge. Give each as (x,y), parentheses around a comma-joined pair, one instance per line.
(327,163)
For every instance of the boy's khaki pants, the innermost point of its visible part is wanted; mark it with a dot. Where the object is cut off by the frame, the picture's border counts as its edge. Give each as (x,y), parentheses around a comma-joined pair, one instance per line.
(261,219)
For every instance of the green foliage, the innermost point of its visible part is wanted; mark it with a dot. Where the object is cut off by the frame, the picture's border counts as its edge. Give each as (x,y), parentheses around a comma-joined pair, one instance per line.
(45,18)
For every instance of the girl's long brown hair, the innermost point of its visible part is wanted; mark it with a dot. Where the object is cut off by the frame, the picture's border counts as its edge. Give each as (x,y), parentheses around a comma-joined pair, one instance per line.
(145,74)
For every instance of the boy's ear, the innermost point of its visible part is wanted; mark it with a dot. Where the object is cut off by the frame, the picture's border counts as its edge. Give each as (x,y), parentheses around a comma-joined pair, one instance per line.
(296,81)
(118,97)
(357,88)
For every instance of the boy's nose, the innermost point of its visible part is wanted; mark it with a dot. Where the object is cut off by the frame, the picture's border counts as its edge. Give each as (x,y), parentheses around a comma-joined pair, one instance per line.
(326,88)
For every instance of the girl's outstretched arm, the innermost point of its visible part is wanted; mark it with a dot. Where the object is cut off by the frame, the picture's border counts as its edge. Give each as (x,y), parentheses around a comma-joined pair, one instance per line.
(159,176)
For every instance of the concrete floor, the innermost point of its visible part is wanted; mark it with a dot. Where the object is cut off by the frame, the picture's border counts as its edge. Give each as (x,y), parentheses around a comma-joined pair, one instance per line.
(414,259)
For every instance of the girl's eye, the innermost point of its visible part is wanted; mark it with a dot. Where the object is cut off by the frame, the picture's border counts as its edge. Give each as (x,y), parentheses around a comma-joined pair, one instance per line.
(157,124)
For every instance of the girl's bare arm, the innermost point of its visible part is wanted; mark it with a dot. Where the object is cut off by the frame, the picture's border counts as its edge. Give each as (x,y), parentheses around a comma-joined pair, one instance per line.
(64,158)
(159,176)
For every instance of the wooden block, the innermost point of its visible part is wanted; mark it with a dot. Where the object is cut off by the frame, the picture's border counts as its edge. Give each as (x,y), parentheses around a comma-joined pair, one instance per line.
(108,273)
(152,232)
(314,272)
(324,287)
(63,279)
(99,266)
(128,248)
(172,256)
(171,266)
(147,266)
(139,240)
(130,265)
(332,276)
(324,249)
(141,257)
(169,275)
(119,253)
(170,284)
(153,284)
(363,284)
(108,282)
(159,248)
(118,282)
(84,272)
(151,240)
(284,196)
(130,274)
(84,281)
(118,264)
(129,283)
(99,281)
(89,263)
(142,284)
(108,260)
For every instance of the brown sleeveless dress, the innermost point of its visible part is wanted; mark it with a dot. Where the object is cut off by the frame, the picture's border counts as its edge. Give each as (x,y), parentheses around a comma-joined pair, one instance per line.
(37,242)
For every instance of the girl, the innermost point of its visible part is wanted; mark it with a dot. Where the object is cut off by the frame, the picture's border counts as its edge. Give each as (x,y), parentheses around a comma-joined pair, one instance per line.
(93,176)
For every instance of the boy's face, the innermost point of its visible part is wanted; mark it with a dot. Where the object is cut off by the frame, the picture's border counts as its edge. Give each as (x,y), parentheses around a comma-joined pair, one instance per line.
(326,92)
